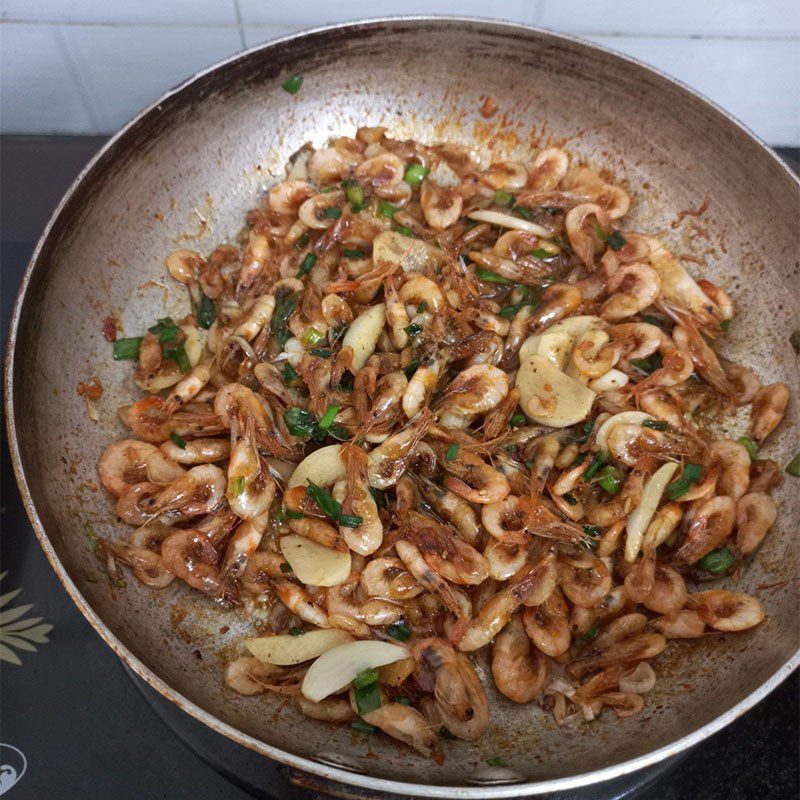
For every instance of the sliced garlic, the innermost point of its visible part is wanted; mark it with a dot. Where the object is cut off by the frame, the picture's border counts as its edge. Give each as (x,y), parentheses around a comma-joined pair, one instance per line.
(550,397)
(323,467)
(507,221)
(640,680)
(193,349)
(677,285)
(613,379)
(287,649)
(623,418)
(556,342)
(644,513)
(336,669)
(314,564)
(403,251)
(363,334)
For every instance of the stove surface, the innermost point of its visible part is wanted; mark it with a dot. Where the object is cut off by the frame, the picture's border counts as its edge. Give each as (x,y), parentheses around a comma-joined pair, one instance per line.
(76,723)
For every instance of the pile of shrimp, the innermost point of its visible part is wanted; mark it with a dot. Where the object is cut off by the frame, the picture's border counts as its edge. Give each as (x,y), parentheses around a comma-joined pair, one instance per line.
(438,342)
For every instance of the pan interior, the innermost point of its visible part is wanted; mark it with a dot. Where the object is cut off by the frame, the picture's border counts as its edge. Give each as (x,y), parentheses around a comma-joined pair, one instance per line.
(184,175)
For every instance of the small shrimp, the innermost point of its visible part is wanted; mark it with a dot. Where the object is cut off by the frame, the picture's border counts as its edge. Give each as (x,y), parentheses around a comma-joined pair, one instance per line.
(637,339)
(191,556)
(331,709)
(254,261)
(453,508)
(665,521)
(718,296)
(242,545)
(396,314)
(261,568)
(769,406)
(366,537)
(296,599)
(188,387)
(256,318)
(610,539)
(163,470)
(520,671)
(497,611)
(638,647)
(620,628)
(683,624)
(734,464)
(676,368)
(476,390)
(419,290)
(147,566)
(765,475)
(405,724)
(548,169)
(249,676)
(688,339)
(197,451)
(583,242)
(558,301)
(585,580)
(508,175)
(728,611)
(656,586)
(634,287)
(441,205)
(755,514)
(374,611)
(624,704)
(389,460)
(630,443)
(474,480)
(547,625)
(287,196)
(388,578)
(124,464)
(421,385)
(460,700)
(318,531)
(505,559)
(711,525)
(251,488)
(744,381)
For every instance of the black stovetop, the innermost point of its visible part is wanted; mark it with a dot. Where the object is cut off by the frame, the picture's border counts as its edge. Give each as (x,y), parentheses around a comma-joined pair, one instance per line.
(86,727)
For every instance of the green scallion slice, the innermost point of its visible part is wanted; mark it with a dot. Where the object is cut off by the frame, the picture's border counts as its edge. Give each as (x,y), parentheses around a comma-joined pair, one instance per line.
(332,212)
(406,231)
(127,349)
(292,85)
(326,420)
(236,487)
(177,353)
(330,507)
(591,634)
(793,467)
(413,329)
(178,441)
(595,466)
(616,241)
(289,373)
(517,420)
(353,253)
(321,352)
(718,561)
(503,198)
(296,631)
(312,336)
(492,277)
(655,424)
(307,264)
(205,312)
(452,452)
(284,308)
(354,192)
(386,209)
(691,474)
(610,480)
(523,212)
(410,368)
(399,631)
(363,727)
(415,174)
(300,422)
(748,445)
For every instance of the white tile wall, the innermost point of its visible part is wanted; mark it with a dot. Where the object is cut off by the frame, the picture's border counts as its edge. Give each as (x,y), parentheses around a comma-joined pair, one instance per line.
(86,66)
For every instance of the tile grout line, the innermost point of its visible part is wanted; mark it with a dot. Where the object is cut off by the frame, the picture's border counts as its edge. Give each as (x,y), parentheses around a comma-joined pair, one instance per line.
(239,24)
(86,97)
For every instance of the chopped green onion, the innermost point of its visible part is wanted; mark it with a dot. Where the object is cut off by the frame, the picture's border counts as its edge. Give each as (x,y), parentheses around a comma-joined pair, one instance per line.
(331,212)
(725,324)
(352,253)
(303,240)
(794,467)
(379,497)
(610,480)
(300,422)
(386,209)
(599,459)
(177,353)
(330,507)
(651,320)
(718,561)
(570,499)
(691,474)
(616,241)
(404,701)
(365,678)
(503,198)
(413,329)
(127,349)
(289,373)
(327,189)
(284,308)
(165,329)
(406,231)
(236,487)
(296,631)
(591,530)
(591,634)
(586,431)
(312,336)
(415,174)
(307,264)
(541,253)
(354,192)
(445,734)
(205,313)
(350,520)
(177,440)
(328,417)
(491,277)
(410,368)
(399,631)
(748,445)
(599,232)
(339,432)
(524,212)
(363,727)
(452,452)
(367,698)
(511,311)
(655,424)
(292,85)
(423,306)
(293,514)
(321,352)
(517,420)
(287,567)
(496,762)
(649,364)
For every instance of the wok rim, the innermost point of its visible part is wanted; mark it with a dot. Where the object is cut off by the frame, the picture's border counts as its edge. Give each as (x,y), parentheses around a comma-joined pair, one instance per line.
(362,780)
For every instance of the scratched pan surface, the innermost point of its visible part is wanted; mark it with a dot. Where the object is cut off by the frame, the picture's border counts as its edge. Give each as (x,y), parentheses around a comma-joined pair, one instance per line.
(184,173)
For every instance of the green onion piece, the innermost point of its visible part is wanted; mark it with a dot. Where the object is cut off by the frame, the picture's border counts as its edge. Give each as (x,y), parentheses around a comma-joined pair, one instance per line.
(445,734)
(691,474)
(312,336)
(599,232)
(591,530)
(289,373)
(452,452)
(352,253)
(332,212)
(177,353)
(379,497)
(300,422)
(413,329)
(321,352)
(591,634)
(284,308)
(367,699)
(307,264)
(655,424)
(404,701)
(163,323)
(503,198)
(328,417)
(415,174)
(296,631)
(293,514)
(365,678)
(725,324)
(339,432)
(491,277)
(205,313)
(330,507)
(517,420)
(748,445)
(286,567)
(303,240)
(570,499)
(523,212)
(586,431)
(350,520)
(718,561)
(794,467)
(363,727)
(354,192)
(610,480)
(423,306)
(649,364)
(496,762)
(616,241)
(177,440)
(541,253)
(406,231)
(410,368)
(292,85)
(651,320)
(593,468)
(399,631)
(236,487)
(327,189)
(357,207)
(386,209)
(127,349)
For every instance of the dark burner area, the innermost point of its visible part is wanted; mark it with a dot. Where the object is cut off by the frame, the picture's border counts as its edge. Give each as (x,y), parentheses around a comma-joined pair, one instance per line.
(89,728)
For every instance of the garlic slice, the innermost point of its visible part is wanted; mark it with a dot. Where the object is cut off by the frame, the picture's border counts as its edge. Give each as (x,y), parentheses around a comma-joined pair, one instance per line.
(550,397)
(287,649)
(363,334)
(507,221)
(323,467)
(644,513)
(403,251)
(314,564)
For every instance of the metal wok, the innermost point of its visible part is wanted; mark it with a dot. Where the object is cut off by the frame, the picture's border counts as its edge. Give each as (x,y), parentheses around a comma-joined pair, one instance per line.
(184,172)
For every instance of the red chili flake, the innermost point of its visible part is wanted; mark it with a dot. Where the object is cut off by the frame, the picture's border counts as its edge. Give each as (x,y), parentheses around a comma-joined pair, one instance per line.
(91,390)
(489,108)
(110,329)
